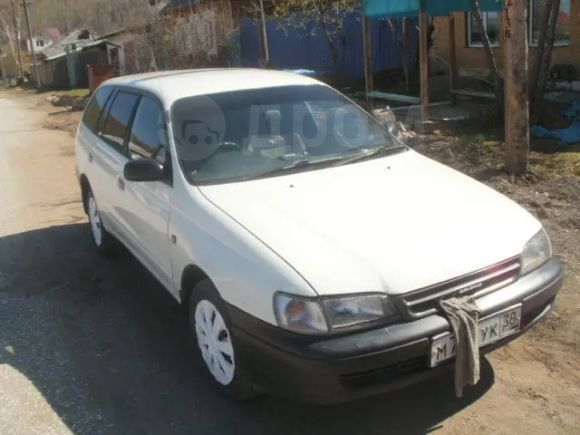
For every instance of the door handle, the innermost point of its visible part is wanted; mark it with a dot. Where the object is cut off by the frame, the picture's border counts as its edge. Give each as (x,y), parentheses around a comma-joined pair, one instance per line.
(91,158)
(120,183)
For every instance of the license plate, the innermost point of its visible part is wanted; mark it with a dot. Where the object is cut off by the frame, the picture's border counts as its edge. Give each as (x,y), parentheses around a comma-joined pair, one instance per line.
(491,329)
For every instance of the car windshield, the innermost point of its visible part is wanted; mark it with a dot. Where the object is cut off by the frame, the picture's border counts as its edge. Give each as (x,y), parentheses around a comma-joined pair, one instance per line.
(242,135)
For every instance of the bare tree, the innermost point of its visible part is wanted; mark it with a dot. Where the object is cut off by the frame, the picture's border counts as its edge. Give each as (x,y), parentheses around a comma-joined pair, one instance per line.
(8,32)
(539,74)
(300,14)
(404,42)
(99,16)
(195,36)
(489,56)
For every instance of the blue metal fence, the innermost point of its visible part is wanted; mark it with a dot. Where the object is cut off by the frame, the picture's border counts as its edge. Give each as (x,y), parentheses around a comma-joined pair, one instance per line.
(307,48)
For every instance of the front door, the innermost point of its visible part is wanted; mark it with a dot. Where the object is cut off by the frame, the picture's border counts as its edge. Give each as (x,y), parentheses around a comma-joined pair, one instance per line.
(148,203)
(109,160)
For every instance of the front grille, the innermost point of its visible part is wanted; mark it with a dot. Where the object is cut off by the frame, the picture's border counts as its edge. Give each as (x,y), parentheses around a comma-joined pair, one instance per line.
(383,374)
(424,302)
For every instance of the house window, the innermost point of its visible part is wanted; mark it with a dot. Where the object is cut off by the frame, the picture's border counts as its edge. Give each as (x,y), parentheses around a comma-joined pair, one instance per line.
(40,43)
(491,24)
(562,36)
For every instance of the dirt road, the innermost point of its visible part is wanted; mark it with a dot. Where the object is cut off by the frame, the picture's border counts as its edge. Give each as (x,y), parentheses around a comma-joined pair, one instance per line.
(96,346)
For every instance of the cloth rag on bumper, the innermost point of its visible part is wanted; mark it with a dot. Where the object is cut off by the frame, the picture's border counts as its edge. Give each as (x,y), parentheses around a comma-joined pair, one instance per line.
(463,315)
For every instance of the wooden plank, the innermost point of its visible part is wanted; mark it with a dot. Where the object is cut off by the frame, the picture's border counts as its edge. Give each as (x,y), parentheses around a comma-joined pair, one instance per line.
(424,63)
(452,55)
(475,94)
(517,115)
(368,56)
(418,106)
(394,97)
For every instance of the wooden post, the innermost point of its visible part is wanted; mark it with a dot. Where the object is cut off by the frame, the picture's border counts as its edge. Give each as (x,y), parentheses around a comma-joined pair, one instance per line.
(368,56)
(452,58)
(517,107)
(265,35)
(424,60)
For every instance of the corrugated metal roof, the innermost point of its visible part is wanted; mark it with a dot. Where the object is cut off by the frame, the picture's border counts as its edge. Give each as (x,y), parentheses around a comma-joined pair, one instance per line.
(79,47)
(401,8)
(79,37)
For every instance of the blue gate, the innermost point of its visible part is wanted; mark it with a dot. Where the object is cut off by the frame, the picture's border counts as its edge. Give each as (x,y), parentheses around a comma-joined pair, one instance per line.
(307,48)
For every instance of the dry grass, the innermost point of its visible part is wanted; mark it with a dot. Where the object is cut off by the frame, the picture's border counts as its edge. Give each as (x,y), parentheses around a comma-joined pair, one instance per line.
(77,92)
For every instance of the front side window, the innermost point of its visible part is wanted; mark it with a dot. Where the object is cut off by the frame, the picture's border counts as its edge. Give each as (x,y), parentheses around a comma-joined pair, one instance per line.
(248,134)
(563,28)
(95,108)
(148,136)
(491,25)
(116,125)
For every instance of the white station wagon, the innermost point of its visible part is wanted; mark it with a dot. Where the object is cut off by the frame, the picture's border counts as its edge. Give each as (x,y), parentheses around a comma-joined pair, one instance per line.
(309,246)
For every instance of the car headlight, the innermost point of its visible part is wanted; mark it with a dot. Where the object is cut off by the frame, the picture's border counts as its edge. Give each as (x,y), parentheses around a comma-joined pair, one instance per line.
(357,311)
(335,314)
(536,252)
(299,314)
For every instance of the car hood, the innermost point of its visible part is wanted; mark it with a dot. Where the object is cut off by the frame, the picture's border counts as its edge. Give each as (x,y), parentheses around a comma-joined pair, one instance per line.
(393,224)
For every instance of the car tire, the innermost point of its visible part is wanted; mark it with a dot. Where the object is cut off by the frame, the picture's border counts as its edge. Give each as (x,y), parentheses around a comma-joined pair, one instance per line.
(215,343)
(102,239)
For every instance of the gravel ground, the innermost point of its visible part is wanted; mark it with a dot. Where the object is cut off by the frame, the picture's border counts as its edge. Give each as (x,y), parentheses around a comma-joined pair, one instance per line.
(97,346)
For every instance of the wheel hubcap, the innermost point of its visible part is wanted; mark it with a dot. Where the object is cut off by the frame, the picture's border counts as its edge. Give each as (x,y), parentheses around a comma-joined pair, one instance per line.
(215,342)
(95,220)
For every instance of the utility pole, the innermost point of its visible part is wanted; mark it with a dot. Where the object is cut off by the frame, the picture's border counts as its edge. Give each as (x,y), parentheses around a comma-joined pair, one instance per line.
(265,34)
(517,101)
(17,32)
(32,49)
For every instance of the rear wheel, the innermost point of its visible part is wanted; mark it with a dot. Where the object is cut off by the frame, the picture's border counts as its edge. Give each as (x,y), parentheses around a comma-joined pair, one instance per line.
(102,240)
(215,344)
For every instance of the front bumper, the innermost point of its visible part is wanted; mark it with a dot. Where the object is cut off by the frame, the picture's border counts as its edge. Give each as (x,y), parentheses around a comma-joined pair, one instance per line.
(339,368)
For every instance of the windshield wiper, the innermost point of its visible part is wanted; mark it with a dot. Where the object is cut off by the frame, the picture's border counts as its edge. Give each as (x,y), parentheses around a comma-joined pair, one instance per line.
(293,165)
(371,153)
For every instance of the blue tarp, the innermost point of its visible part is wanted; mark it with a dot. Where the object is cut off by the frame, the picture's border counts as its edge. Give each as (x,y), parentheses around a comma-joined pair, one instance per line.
(568,136)
(307,48)
(407,8)
(573,110)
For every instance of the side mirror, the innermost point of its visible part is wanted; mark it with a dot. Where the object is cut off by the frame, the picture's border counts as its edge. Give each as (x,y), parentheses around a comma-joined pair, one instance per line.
(143,170)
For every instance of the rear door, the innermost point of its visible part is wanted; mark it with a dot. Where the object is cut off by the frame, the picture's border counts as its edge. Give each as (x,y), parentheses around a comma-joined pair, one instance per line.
(88,141)
(147,211)
(110,158)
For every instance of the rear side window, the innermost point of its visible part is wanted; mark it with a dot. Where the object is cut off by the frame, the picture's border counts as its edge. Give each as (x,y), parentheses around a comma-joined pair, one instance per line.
(95,108)
(116,126)
(149,134)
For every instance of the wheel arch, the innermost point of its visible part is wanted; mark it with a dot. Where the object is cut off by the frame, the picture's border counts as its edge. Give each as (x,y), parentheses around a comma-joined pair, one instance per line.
(85,189)
(190,277)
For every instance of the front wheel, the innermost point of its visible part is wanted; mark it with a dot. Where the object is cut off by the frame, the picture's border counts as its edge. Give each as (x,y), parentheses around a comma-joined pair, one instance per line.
(215,344)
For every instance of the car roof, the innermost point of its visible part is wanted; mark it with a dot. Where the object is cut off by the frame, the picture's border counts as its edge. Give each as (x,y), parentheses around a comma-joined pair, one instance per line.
(170,86)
